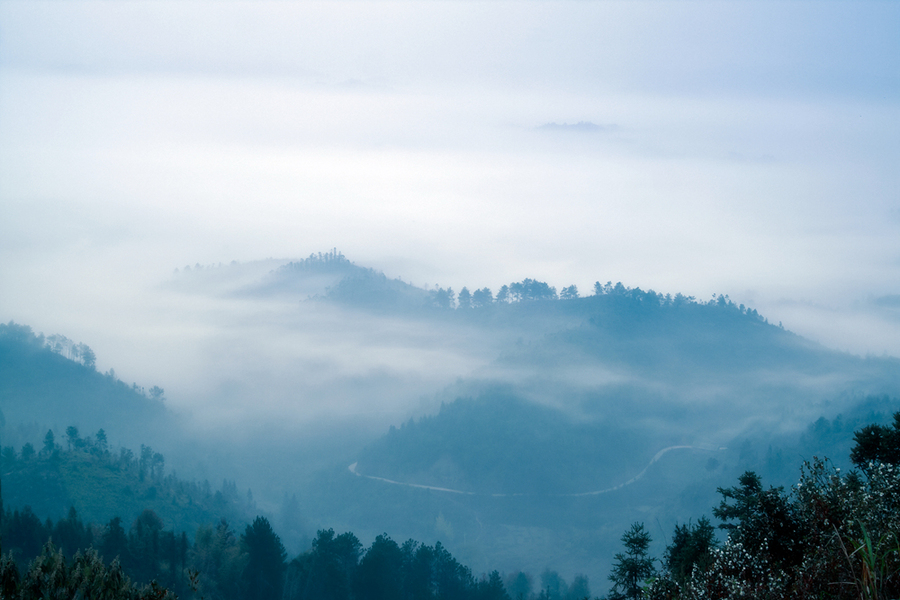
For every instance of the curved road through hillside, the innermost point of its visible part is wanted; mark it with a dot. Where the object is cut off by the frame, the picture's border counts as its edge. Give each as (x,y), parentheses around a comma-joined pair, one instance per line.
(656,457)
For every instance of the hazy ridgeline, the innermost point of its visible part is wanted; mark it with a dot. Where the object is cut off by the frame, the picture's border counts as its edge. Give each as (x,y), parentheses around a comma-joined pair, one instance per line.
(522,427)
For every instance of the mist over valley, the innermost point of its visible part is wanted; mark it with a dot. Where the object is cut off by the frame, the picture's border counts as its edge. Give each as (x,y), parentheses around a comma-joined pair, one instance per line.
(366,299)
(522,432)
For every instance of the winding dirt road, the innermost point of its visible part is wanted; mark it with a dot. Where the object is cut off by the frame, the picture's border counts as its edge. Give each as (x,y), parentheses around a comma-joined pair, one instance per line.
(656,457)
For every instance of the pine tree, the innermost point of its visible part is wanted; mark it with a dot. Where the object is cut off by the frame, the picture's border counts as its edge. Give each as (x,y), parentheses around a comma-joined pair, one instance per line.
(633,567)
(266,561)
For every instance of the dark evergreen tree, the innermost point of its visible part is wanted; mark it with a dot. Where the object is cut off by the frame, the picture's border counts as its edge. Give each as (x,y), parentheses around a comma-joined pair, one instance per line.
(491,588)
(482,297)
(114,544)
(765,520)
(70,534)
(464,298)
(86,576)
(49,442)
(263,576)
(569,293)
(691,545)
(327,570)
(24,535)
(72,437)
(553,585)
(580,588)
(451,580)
(418,560)
(633,567)
(519,586)
(219,562)
(379,575)
(144,547)
(878,444)
(28,452)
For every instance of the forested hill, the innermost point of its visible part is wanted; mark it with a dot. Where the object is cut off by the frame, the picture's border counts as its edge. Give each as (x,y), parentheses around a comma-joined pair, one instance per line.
(332,277)
(647,331)
(83,472)
(51,383)
(672,340)
(498,443)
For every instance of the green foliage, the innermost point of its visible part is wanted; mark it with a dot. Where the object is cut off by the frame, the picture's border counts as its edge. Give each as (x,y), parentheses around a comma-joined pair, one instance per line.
(529,290)
(146,553)
(691,547)
(42,382)
(49,442)
(835,536)
(441,298)
(766,521)
(852,526)
(51,576)
(519,586)
(634,567)
(336,569)
(482,298)
(328,570)
(101,484)
(380,572)
(265,561)
(569,293)
(219,561)
(115,542)
(877,444)
(464,299)
(218,566)
(23,534)
(491,588)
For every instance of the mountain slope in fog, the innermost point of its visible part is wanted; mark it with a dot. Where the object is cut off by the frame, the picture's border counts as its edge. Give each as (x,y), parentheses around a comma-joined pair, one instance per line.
(587,407)
(582,395)
(296,368)
(500,444)
(41,389)
(101,482)
(670,370)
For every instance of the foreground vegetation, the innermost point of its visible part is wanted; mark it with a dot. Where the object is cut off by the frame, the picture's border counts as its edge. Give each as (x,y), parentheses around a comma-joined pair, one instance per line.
(85,472)
(834,536)
(149,562)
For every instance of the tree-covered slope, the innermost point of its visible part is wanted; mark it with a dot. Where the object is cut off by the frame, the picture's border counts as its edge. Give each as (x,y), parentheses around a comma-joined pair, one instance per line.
(41,389)
(498,443)
(100,482)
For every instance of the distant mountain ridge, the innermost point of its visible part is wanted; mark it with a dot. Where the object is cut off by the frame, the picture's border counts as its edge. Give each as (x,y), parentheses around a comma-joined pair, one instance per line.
(331,276)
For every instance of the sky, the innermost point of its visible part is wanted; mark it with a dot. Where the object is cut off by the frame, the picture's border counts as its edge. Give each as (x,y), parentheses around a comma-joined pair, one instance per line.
(746,148)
